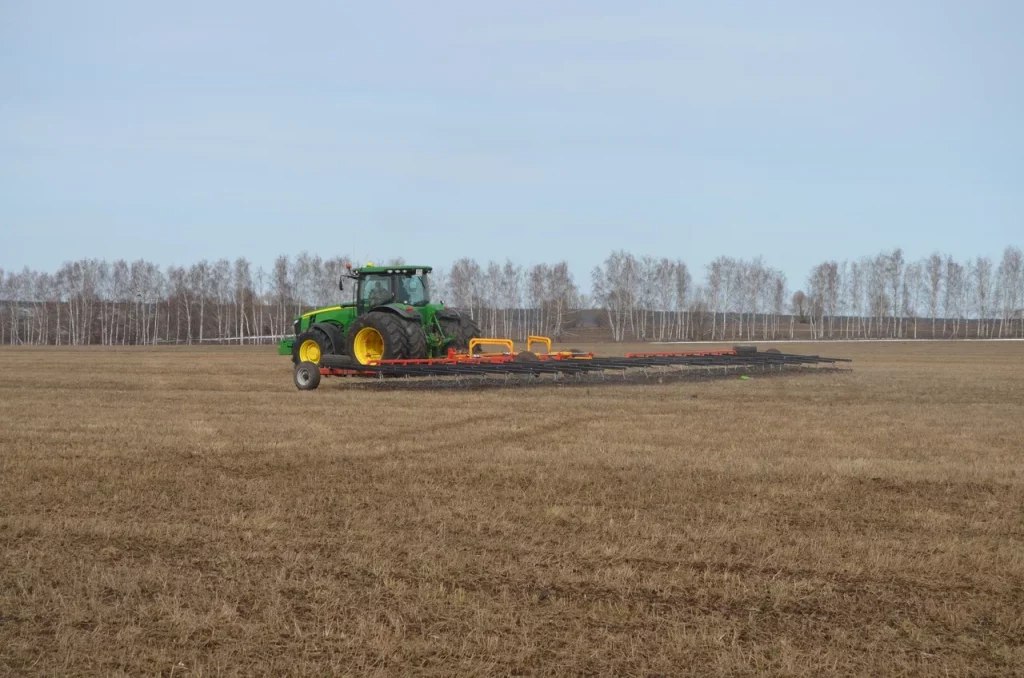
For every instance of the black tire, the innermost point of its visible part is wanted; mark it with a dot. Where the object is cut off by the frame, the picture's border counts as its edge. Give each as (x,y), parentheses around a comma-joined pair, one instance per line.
(335,335)
(302,353)
(417,339)
(306,376)
(773,350)
(392,332)
(462,329)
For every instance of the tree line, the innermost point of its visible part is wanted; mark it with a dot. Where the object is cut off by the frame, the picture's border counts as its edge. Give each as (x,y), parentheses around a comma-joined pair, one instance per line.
(93,301)
(631,297)
(880,296)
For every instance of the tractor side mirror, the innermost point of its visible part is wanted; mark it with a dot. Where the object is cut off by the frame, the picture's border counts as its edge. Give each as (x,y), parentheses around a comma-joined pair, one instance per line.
(341,283)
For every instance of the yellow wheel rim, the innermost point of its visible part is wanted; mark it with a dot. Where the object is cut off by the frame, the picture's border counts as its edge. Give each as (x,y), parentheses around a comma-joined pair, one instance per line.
(368,345)
(309,351)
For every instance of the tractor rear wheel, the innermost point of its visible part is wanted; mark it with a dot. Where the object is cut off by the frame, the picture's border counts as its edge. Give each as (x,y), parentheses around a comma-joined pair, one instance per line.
(310,346)
(378,335)
(417,339)
(462,329)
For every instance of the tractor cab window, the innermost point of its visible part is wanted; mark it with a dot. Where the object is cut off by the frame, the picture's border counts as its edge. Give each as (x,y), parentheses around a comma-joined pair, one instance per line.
(376,290)
(403,288)
(412,289)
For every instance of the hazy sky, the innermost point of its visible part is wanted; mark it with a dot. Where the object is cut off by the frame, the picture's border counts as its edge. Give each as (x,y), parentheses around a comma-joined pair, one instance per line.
(537,131)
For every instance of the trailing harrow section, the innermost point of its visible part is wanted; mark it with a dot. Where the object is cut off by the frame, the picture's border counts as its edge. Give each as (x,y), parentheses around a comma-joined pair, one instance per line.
(557,364)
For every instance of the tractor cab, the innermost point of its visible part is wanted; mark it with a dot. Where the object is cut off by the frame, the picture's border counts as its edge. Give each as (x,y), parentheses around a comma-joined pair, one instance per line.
(378,286)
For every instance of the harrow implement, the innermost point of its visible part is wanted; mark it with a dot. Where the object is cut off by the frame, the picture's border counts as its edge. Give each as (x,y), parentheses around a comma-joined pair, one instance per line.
(556,365)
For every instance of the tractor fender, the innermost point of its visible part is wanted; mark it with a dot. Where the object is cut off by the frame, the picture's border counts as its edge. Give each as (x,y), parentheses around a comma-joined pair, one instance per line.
(403,310)
(334,332)
(448,314)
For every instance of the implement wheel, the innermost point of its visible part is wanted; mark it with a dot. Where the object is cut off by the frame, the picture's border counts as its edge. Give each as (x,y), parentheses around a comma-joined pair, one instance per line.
(378,335)
(306,376)
(310,346)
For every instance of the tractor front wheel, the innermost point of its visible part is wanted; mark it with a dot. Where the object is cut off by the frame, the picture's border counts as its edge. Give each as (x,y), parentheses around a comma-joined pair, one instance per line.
(378,335)
(310,346)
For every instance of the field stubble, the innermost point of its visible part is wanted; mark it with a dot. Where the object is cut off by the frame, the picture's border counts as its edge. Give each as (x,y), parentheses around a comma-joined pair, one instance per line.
(187,511)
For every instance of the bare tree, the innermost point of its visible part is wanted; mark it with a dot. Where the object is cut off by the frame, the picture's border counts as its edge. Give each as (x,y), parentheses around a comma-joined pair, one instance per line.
(981,277)
(1011,291)
(913,291)
(244,297)
(465,283)
(824,285)
(615,286)
(855,294)
(933,274)
(199,278)
(956,293)
(894,264)
(282,291)
(512,299)
(681,298)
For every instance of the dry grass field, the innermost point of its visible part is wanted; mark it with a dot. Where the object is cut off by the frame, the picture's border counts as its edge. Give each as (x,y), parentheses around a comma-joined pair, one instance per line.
(187,512)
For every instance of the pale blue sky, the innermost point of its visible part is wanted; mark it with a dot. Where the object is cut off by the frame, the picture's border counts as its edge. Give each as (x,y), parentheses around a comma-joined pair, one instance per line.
(537,131)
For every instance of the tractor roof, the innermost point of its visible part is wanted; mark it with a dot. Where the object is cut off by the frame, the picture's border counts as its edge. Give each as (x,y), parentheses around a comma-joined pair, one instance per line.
(404,268)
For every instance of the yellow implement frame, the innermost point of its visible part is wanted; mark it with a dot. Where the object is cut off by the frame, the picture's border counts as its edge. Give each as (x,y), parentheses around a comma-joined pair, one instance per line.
(508,344)
(537,339)
(490,341)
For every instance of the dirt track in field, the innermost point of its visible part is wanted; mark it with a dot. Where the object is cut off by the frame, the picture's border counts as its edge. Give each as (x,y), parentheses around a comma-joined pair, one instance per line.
(187,511)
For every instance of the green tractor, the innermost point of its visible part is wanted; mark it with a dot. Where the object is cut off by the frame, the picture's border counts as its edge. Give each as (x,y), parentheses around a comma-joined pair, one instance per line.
(392,318)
